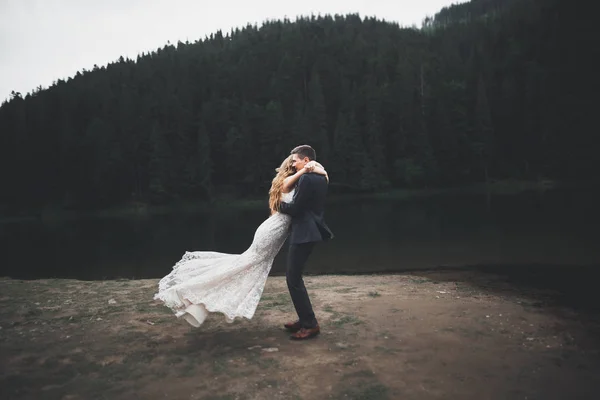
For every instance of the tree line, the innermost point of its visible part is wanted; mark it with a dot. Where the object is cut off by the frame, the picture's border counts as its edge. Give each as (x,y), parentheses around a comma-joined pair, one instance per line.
(484,90)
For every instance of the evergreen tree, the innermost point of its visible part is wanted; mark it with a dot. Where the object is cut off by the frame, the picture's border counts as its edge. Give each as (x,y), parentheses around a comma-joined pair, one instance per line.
(488,88)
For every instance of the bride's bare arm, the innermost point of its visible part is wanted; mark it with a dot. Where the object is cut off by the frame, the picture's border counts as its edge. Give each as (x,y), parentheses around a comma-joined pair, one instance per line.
(312,166)
(317,168)
(290,181)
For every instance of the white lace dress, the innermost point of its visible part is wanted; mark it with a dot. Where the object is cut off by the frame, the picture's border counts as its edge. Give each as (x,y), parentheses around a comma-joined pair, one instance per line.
(204,282)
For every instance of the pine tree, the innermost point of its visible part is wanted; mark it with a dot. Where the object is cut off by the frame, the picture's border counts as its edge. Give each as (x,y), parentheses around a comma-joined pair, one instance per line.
(204,164)
(160,163)
(317,115)
(483,140)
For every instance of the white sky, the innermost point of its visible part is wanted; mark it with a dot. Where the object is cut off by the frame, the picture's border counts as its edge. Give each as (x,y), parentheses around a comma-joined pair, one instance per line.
(45,40)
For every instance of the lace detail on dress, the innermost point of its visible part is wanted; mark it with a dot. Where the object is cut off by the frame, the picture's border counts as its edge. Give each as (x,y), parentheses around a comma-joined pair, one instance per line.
(288,197)
(232,284)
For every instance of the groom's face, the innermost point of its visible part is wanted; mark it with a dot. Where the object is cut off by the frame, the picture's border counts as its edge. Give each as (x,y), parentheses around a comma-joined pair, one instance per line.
(298,162)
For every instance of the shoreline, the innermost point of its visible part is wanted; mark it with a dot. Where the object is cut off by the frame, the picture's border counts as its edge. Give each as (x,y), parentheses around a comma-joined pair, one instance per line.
(143,210)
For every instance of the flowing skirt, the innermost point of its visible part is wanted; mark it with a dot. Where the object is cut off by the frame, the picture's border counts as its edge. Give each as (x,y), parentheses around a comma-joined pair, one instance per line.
(204,282)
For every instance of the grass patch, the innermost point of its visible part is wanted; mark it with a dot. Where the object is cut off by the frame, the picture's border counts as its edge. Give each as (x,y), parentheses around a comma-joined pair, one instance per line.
(140,357)
(346,320)
(280,301)
(328,309)
(150,308)
(254,358)
(219,366)
(269,383)
(318,285)
(224,397)
(363,373)
(360,391)
(174,360)
(386,350)
(345,290)
(464,289)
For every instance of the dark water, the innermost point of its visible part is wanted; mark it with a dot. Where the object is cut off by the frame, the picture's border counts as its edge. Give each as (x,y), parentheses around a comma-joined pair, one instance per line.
(553,228)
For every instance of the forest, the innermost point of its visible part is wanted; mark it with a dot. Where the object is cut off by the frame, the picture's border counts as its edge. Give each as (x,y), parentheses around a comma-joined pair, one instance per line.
(485,90)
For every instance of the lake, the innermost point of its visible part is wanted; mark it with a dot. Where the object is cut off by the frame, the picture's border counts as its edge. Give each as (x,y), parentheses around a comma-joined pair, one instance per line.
(556,227)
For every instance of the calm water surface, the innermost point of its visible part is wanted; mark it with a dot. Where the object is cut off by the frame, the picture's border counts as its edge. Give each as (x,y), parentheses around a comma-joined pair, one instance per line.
(557,228)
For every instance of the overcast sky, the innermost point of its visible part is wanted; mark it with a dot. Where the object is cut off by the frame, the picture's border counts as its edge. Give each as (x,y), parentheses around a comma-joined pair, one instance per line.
(45,40)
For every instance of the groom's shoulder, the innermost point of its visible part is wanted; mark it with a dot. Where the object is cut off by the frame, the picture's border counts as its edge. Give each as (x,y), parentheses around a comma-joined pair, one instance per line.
(312,176)
(317,179)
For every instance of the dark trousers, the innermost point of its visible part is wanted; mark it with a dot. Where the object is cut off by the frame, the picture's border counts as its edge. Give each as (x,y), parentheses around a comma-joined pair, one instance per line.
(297,256)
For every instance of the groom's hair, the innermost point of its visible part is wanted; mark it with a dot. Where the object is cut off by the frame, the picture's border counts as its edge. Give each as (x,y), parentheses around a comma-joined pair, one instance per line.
(305,151)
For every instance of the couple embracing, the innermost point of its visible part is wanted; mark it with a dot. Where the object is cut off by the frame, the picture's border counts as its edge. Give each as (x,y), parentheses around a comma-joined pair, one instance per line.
(204,282)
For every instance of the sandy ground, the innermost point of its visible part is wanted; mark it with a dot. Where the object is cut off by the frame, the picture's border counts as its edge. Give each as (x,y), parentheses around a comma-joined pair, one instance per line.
(431,335)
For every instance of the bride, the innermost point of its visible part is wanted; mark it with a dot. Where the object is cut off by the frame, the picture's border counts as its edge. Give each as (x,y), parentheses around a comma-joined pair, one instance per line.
(232,284)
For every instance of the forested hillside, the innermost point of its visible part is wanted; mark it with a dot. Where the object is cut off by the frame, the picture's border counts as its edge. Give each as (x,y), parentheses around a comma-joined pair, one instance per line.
(487,89)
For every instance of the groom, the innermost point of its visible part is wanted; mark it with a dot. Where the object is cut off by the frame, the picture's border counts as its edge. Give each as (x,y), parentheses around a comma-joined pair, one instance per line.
(308,228)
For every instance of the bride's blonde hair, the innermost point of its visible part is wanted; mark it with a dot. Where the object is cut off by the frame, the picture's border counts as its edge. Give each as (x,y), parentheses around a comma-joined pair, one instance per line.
(286,169)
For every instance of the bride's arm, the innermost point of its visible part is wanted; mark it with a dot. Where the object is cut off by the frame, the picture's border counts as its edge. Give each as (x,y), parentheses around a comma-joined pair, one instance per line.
(312,166)
(290,181)
(317,168)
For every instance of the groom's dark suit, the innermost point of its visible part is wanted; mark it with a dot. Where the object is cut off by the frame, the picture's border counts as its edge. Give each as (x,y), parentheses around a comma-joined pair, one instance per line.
(308,228)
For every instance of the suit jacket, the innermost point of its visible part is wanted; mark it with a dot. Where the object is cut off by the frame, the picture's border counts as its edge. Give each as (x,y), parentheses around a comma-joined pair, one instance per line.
(308,209)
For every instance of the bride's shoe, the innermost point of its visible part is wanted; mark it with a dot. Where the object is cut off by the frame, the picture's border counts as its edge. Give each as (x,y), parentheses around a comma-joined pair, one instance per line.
(185,301)
(195,314)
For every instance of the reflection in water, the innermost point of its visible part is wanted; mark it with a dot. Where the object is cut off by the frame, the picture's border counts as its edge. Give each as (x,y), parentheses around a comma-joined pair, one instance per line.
(371,236)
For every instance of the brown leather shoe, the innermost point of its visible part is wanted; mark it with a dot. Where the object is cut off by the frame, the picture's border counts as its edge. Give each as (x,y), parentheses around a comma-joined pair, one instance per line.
(306,333)
(293,326)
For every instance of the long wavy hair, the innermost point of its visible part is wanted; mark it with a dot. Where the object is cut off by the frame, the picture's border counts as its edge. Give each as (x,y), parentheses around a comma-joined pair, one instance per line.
(286,169)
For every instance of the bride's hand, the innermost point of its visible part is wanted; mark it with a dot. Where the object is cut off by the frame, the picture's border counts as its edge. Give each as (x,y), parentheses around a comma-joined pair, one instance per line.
(310,166)
(315,167)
